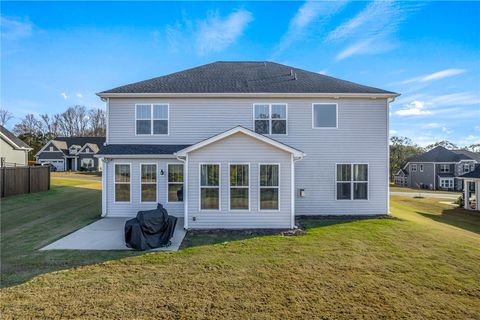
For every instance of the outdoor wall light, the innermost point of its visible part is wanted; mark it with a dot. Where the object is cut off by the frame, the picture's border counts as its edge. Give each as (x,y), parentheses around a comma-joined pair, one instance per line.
(161,172)
(302,193)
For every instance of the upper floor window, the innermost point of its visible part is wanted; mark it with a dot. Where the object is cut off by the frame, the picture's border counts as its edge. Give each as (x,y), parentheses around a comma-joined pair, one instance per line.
(421,168)
(324,115)
(466,168)
(270,118)
(444,168)
(414,167)
(151,119)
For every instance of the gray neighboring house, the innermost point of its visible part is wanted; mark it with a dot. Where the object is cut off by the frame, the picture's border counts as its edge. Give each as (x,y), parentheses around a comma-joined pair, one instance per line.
(13,151)
(246,145)
(437,169)
(72,153)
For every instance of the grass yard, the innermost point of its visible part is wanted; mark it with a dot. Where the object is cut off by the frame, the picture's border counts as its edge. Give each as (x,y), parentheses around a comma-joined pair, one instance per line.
(394,188)
(422,264)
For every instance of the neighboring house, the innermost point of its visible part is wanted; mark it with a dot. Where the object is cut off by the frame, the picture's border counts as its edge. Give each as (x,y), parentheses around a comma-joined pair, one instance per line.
(72,153)
(438,169)
(472,189)
(246,145)
(13,151)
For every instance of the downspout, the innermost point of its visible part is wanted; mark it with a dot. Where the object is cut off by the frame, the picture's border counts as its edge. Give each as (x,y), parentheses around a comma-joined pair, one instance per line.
(104,187)
(292,205)
(185,191)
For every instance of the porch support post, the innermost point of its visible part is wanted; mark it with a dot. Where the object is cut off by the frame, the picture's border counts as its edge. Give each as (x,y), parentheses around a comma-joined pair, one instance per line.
(466,194)
(75,168)
(104,185)
(477,195)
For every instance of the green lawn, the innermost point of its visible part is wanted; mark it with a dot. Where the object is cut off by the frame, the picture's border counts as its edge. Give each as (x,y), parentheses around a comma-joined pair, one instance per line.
(422,264)
(394,188)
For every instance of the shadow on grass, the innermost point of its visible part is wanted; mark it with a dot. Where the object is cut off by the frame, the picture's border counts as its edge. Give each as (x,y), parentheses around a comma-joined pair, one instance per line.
(457,217)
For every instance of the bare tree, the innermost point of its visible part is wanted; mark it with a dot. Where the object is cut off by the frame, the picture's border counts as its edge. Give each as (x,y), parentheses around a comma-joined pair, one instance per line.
(5,116)
(73,122)
(50,125)
(29,125)
(97,122)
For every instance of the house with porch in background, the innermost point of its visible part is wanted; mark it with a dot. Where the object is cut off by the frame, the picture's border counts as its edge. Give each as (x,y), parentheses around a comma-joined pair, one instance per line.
(437,169)
(246,145)
(71,153)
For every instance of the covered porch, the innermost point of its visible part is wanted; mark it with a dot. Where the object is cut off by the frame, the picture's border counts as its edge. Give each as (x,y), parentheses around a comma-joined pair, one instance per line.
(471,189)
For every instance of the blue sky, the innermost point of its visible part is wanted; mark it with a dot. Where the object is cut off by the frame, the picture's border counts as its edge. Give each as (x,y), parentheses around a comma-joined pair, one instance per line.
(58,54)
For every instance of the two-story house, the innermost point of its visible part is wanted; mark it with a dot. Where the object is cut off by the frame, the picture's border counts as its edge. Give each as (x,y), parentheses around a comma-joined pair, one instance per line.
(246,145)
(72,153)
(438,169)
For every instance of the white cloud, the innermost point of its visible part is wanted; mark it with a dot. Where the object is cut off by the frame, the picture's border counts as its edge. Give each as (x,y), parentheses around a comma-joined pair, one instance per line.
(14,29)
(477,128)
(434,76)
(213,34)
(79,95)
(309,18)
(460,98)
(470,139)
(372,30)
(325,71)
(414,108)
(392,132)
(64,95)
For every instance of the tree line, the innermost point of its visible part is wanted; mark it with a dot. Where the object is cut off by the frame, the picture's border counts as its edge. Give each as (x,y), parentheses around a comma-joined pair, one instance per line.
(402,149)
(76,121)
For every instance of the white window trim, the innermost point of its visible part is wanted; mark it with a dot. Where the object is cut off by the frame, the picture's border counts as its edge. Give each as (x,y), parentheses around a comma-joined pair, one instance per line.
(444,166)
(182,183)
(353,181)
(450,180)
(414,167)
(152,119)
(466,168)
(313,115)
(200,186)
(140,183)
(114,183)
(278,187)
(421,167)
(240,187)
(93,162)
(270,119)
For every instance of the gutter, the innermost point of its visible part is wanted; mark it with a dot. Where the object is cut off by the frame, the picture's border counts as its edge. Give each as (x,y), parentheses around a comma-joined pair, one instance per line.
(106,95)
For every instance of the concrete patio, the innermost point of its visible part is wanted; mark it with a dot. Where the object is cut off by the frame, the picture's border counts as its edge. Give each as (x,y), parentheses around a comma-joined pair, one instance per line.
(107,234)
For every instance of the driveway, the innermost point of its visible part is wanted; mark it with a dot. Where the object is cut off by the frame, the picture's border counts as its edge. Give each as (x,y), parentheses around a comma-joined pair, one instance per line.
(108,234)
(425,194)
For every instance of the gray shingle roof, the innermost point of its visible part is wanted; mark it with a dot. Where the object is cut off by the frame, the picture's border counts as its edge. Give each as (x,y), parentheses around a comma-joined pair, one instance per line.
(441,154)
(13,138)
(472,174)
(63,143)
(245,77)
(133,149)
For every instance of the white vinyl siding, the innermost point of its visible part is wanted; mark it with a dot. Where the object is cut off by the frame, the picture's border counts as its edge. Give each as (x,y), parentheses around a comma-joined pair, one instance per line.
(361,136)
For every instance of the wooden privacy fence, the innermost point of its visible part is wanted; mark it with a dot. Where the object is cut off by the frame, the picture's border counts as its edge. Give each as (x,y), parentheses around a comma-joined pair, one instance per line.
(20,180)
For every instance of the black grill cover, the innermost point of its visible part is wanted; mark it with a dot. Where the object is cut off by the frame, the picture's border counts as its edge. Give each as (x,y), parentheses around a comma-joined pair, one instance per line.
(150,229)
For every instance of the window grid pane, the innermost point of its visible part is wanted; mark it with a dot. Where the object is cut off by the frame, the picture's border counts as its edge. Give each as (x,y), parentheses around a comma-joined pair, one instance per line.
(269,175)
(209,175)
(149,192)
(325,115)
(144,111)
(210,198)
(149,173)
(262,111)
(122,173)
(279,111)
(239,175)
(175,173)
(160,111)
(268,198)
(239,198)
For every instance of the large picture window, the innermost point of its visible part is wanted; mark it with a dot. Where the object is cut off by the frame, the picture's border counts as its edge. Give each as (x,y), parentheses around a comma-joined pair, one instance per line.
(324,115)
(270,118)
(122,182)
(175,182)
(151,119)
(239,187)
(148,182)
(352,181)
(269,186)
(86,163)
(209,187)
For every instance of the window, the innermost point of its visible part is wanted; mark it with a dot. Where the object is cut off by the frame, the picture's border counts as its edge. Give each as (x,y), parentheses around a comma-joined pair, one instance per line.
(51,148)
(352,181)
(148,182)
(269,186)
(87,150)
(175,182)
(466,168)
(324,115)
(239,187)
(122,182)
(444,168)
(86,163)
(209,186)
(421,168)
(446,183)
(270,118)
(414,167)
(151,119)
